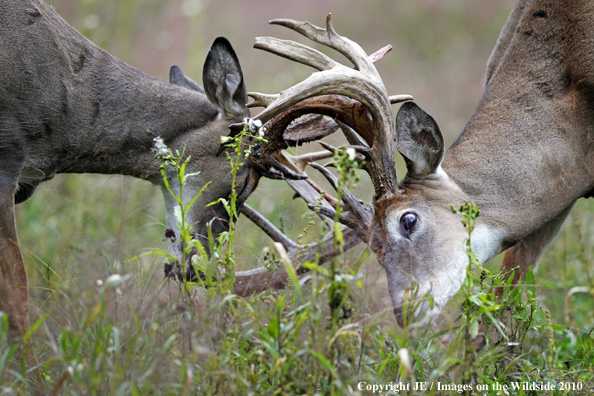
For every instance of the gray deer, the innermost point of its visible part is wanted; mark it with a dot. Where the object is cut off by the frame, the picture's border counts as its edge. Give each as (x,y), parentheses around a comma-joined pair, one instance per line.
(525,157)
(70,107)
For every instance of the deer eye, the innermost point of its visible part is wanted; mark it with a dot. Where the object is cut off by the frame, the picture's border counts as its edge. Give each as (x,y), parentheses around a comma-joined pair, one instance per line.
(408,222)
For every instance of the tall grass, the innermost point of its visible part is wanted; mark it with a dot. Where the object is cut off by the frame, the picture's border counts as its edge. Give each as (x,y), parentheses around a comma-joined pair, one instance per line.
(101,334)
(132,333)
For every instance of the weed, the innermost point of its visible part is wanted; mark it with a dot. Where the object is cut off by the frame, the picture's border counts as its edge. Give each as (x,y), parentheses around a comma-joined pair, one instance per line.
(314,338)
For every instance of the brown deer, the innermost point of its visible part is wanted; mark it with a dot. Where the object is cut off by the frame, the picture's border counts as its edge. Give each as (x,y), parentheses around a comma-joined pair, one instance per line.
(525,156)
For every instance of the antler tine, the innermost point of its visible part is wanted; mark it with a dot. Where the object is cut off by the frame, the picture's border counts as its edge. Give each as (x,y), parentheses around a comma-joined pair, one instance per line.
(285,170)
(351,202)
(309,191)
(351,136)
(328,37)
(379,54)
(333,150)
(364,154)
(269,228)
(261,100)
(348,219)
(400,98)
(323,210)
(296,52)
(301,161)
(313,198)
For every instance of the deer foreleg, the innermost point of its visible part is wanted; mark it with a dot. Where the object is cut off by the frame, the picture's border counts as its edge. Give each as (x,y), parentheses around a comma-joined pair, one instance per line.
(14,293)
(528,251)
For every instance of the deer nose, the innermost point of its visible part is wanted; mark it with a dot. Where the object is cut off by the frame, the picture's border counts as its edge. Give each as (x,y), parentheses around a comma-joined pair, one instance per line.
(399,316)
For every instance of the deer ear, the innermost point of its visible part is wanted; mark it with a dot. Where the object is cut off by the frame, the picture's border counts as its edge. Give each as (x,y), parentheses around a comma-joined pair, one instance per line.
(419,140)
(223,80)
(178,77)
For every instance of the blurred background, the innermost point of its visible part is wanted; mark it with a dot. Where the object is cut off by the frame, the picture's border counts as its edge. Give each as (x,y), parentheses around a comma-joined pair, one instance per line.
(86,226)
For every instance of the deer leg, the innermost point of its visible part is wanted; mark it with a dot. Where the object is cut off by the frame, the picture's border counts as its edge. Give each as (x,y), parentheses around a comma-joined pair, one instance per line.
(528,251)
(14,293)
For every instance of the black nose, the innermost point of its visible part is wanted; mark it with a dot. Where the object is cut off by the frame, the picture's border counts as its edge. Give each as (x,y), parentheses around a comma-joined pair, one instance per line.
(399,316)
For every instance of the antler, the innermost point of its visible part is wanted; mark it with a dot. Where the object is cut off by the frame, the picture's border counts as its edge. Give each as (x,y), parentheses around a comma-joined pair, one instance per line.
(355,97)
(355,100)
(260,279)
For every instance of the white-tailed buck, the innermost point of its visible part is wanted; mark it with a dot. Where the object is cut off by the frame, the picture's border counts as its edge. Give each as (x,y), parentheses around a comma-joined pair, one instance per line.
(525,156)
(67,106)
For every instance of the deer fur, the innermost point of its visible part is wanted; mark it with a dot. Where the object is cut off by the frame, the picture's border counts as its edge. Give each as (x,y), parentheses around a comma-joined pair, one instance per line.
(525,156)
(67,106)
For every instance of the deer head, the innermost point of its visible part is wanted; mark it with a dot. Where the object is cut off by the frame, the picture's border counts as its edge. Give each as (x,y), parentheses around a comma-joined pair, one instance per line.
(417,237)
(226,91)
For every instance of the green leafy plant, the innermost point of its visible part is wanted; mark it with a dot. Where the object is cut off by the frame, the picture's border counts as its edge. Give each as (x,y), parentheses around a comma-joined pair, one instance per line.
(173,167)
(238,150)
(322,335)
(342,278)
(174,163)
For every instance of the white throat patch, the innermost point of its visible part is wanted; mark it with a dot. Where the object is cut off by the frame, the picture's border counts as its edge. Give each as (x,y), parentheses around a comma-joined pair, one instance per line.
(486,241)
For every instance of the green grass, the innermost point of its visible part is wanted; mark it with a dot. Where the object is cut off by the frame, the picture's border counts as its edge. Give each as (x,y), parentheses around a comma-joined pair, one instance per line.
(140,337)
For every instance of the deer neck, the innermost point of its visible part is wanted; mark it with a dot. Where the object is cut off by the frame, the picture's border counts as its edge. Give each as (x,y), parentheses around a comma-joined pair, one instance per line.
(100,114)
(525,155)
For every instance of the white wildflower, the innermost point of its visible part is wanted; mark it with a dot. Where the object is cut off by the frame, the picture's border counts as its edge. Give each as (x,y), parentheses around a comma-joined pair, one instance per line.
(159,148)
(253,125)
(352,153)
(405,360)
(113,280)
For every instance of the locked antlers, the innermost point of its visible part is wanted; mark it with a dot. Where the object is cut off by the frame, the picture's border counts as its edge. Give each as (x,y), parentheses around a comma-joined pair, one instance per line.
(355,100)
(260,279)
